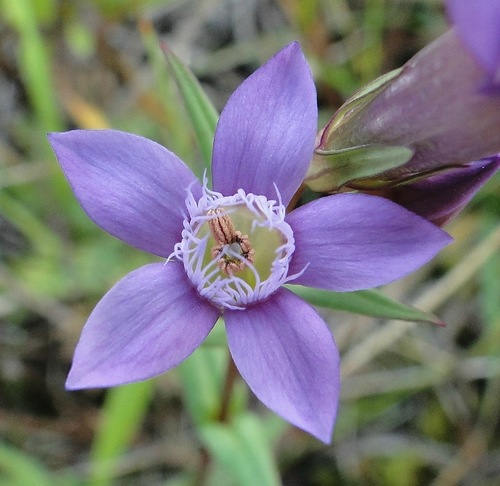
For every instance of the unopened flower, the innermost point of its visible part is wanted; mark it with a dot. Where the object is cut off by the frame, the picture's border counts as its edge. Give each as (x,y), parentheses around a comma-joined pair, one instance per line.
(430,116)
(229,249)
(441,196)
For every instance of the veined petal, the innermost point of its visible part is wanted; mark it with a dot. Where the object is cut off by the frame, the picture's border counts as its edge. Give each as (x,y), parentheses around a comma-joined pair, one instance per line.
(267,130)
(478,26)
(287,355)
(146,324)
(442,196)
(132,187)
(354,241)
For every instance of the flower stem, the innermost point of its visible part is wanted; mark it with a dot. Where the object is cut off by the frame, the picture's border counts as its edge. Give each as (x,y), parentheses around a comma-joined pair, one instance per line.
(231,375)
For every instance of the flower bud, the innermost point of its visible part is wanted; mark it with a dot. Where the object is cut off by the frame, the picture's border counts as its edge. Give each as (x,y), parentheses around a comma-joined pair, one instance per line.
(440,197)
(429,116)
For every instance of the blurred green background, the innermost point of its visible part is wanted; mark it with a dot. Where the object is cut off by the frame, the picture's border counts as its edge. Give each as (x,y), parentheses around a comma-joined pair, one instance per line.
(420,404)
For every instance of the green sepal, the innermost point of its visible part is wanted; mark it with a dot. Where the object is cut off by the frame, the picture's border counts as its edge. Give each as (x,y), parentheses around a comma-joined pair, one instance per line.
(334,165)
(332,169)
(358,101)
(200,109)
(371,303)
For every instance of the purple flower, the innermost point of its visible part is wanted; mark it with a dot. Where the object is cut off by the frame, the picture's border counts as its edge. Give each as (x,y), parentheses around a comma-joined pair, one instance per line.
(440,197)
(230,249)
(478,26)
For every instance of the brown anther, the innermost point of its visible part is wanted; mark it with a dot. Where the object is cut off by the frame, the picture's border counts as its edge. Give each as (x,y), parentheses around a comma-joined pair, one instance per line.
(224,233)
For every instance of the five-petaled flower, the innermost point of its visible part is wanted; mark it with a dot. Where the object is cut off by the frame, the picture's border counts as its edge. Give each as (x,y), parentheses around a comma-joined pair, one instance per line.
(229,249)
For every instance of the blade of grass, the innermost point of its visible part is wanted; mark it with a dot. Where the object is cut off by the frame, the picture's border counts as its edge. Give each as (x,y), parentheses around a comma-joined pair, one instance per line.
(202,376)
(122,415)
(243,450)
(174,121)
(202,113)
(23,470)
(41,237)
(35,62)
(366,302)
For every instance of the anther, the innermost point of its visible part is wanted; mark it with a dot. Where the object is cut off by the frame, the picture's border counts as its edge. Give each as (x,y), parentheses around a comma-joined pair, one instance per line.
(232,248)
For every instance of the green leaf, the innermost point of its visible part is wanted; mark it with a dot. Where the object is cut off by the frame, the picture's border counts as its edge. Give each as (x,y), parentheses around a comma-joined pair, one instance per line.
(122,415)
(34,62)
(44,241)
(489,292)
(202,376)
(371,303)
(200,109)
(23,470)
(332,169)
(243,450)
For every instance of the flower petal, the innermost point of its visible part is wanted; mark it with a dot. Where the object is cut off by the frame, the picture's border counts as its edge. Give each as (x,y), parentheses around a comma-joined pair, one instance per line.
(287,355)
(354,241)
(442,196)
(267,130)
(146,324)
(478,26)
(130,186)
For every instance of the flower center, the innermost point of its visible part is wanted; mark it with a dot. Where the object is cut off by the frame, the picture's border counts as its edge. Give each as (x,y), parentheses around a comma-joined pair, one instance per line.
(235,249)
(232,249)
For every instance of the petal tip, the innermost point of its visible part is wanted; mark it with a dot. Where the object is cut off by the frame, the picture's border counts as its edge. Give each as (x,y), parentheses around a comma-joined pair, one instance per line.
(75,382)
(321,431)
(54,137)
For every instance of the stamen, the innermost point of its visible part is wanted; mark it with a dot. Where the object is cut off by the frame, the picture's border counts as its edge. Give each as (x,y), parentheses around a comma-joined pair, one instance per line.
(228,240)
(227,274)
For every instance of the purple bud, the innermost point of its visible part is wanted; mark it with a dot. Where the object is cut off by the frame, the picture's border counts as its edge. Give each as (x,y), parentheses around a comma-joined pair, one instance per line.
(434,106)
(440,197)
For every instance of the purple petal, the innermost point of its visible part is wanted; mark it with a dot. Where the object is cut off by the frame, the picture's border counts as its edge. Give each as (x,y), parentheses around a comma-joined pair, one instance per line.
(478,26)
(442,196)
(266,132)
(287,355)
(354,241)
(146,324)
(130,186)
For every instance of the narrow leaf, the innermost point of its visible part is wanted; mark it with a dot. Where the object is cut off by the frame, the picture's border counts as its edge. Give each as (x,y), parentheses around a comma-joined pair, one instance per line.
(122,416)
(202,376)
(243,450)
(22,469)
(366,302)
(200,109)
(34,62)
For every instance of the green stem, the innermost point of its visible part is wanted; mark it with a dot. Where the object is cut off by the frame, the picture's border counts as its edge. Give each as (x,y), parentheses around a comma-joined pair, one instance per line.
(231,375)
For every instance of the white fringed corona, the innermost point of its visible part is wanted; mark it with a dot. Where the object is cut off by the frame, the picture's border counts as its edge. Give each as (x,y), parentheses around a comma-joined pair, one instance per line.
(236,249)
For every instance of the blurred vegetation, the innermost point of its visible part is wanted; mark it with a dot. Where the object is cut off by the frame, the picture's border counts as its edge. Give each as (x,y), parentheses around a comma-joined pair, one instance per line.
(419,404)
